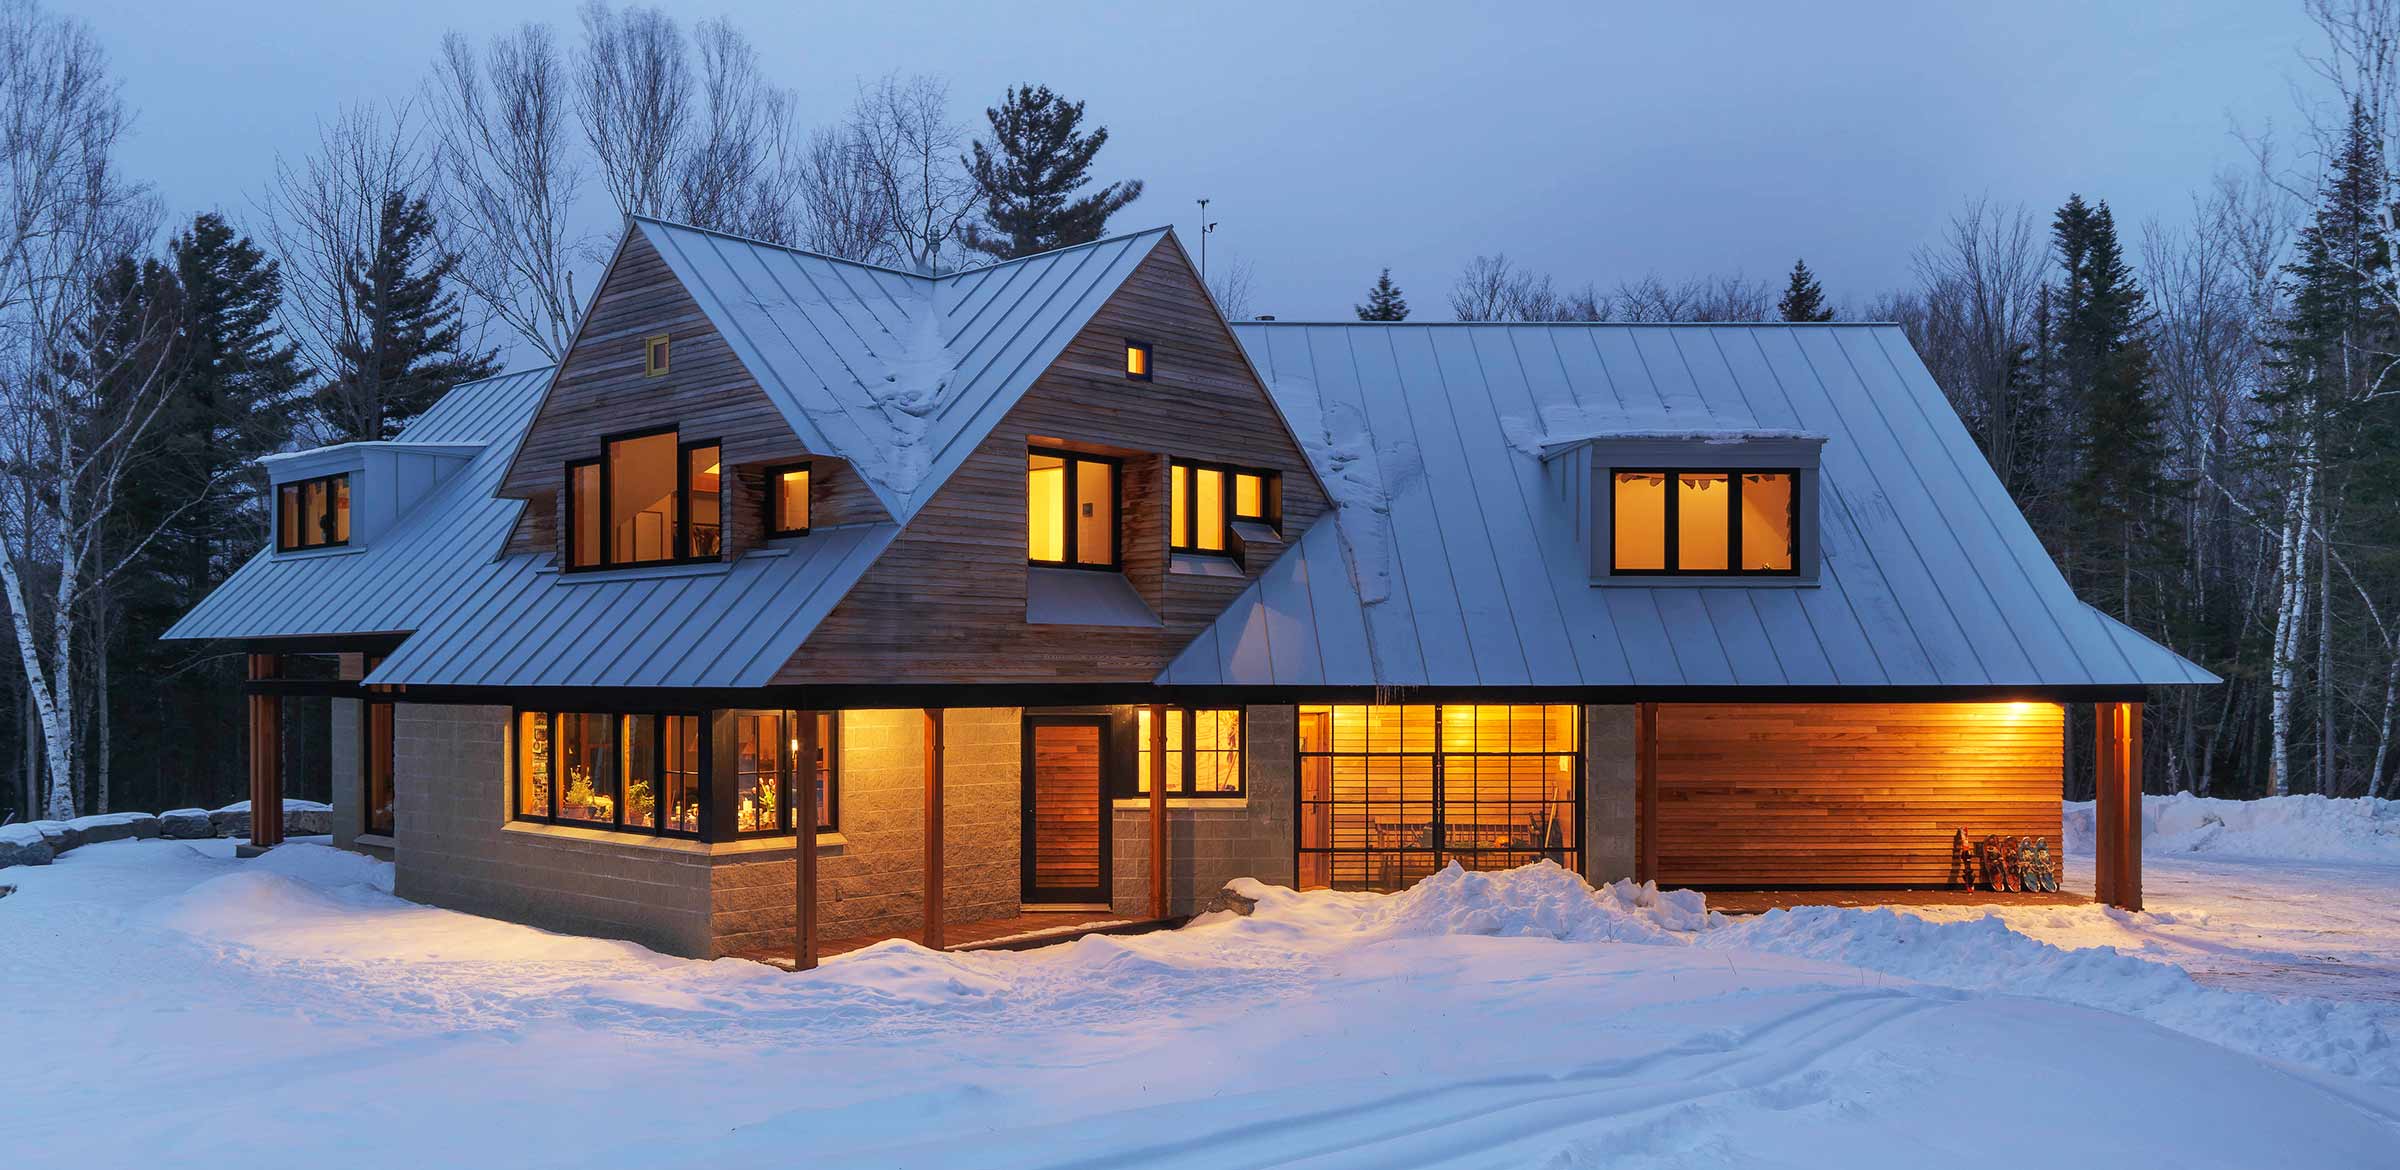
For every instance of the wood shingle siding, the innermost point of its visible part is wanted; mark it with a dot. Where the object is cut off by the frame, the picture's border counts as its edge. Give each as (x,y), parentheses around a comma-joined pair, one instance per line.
(1848,794)
(946,603)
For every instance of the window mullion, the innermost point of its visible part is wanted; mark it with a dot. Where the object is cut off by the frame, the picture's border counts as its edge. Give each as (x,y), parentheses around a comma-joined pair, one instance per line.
(1674,485)
(1733,521)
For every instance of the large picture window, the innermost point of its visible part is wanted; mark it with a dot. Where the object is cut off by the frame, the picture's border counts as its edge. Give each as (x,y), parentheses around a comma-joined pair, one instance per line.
(649,499)
(313,513)
(1070,509)
(1204,754)
(649,774)
(1205,502)
(1722,522)
(1390,794)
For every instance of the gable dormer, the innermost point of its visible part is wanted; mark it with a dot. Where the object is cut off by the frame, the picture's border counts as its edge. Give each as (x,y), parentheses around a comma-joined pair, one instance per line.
(1720,507)
(347,495)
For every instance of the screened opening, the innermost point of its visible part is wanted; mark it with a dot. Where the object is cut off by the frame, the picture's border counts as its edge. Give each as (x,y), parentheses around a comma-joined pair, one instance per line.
(1390,794)
(787,501)
(649,499)
(1204,754)
(1704,522)
(1070,509)
(313,513)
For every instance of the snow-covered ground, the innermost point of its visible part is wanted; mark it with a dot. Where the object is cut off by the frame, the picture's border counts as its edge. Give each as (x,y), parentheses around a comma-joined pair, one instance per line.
(162,1004)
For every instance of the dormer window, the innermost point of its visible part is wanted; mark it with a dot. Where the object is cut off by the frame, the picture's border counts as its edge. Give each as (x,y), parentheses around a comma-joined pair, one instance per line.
(313,513)
(1206,504)
(787,500)
(1137,360)
(649,499)
(655,352)
(1731,521)
(1070,509)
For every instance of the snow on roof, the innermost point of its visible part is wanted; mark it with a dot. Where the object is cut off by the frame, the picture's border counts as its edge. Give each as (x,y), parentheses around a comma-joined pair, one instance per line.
(898,373)
(1453,561)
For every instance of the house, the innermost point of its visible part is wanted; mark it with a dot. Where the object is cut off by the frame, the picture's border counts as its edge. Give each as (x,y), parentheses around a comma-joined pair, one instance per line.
(1038,593)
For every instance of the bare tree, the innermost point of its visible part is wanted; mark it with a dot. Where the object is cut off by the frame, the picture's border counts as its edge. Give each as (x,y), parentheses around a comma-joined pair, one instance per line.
(1980,289)
(1229,286)
(78,388)
(1493,289)
(842,209)
(743,171)
(321,216)
(507,180)
(634,91)
(907,147)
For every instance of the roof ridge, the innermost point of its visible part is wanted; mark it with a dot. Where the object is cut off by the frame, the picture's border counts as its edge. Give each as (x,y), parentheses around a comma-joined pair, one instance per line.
(1585,324)
(1164,227)
(754,241)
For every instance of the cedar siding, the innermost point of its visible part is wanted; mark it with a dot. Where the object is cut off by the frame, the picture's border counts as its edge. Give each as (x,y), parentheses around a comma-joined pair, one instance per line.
(946,603)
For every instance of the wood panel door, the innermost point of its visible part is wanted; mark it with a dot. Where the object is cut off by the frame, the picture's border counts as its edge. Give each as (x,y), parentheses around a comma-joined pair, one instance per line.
(1848,794)
(1066,852)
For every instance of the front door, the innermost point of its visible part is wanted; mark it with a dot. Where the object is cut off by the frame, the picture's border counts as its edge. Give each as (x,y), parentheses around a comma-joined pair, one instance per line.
(1066,809)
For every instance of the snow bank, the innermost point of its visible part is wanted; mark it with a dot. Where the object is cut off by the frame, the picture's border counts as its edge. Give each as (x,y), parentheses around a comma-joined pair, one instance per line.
(1542,900)
(2298,828)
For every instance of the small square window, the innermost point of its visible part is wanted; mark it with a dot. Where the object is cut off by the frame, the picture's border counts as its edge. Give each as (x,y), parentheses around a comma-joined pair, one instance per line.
(787,501)
(1137,360)
(655,352)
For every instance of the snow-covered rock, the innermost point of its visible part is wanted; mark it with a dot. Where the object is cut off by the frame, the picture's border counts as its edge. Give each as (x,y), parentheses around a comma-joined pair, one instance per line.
(113,827)
(301,818)
(24,844)
(186,824)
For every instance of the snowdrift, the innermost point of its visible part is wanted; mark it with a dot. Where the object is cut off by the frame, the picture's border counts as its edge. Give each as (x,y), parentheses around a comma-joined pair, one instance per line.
(2295,828)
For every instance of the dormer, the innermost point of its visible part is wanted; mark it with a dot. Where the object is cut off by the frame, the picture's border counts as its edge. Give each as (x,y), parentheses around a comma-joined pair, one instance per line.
(342,497)
(1720,507)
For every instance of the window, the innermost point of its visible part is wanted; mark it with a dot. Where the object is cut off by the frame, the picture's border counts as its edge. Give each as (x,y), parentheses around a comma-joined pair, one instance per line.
(648,500)
(1070,509)
(639,773)
(1727,522)
(1390,794)
(787,501)
(376,768)
(313,513)
(1204,754)
(826,753)
(1137,360)
(655,352)
(1204,502)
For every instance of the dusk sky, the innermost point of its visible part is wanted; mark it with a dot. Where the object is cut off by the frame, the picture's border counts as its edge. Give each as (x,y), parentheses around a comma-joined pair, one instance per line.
(1336,139)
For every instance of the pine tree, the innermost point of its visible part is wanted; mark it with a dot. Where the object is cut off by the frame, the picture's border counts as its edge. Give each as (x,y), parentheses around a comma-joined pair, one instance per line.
(1030,173)
(1803,298)
(414,347)
(1384,302)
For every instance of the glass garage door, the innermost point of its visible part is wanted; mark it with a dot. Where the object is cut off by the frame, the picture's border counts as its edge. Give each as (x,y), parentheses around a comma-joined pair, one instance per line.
(1389,794)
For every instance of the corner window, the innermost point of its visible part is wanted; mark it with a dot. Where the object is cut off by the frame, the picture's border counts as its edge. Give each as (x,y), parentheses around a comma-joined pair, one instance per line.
(1137,360)
(313,513)
(1204,754)
(1070,509)
(1205,501)
(655,353)
(649,499)
(649,774)
(1721,522)
(772,751)
(787,500)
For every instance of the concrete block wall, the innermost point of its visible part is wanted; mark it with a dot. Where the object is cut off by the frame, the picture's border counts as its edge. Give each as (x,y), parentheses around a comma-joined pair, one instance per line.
(1209,845)
(872,882)
(349,787)
(453,848)
(1608,793)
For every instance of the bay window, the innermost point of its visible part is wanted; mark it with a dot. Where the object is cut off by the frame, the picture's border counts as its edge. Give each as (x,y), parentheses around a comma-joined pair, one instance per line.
(1714,521)
(649,774)
(649,499)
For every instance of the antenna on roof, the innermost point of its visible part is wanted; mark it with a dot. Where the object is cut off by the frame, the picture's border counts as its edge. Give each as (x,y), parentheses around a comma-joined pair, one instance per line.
(1205,228)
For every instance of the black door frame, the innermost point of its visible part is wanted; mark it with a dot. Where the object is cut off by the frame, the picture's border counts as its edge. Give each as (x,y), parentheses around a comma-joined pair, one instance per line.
(1027,892)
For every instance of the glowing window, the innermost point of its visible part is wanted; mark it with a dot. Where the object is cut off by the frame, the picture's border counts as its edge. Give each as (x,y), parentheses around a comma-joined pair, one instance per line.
(649,499)
(1204,753)
(583,505)
(787,501)
(1070,509)
(1205,500)
(703,475)
(1137,360)
(313,513)
(1712,521)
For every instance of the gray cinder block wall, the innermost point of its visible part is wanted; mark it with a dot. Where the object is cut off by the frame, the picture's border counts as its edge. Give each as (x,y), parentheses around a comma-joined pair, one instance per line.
(1608,793)
(1211,844)
(349,791)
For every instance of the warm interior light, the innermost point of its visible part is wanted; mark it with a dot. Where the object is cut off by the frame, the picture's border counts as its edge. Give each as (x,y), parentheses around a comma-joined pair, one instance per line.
(1641,521)
(1703,520)
(1045,508)
(1137,361)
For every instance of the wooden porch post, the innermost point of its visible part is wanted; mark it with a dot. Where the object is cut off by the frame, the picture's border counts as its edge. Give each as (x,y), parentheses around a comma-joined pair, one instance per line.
(2117,804)
(266,757)
(1645,792)
(1158,810)
(804,854)
(933,828)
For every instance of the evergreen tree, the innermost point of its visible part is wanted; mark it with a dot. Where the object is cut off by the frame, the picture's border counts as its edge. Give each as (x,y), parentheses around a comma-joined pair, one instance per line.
(1030,173)
(414,347)
(1803,298)
(1384,302)
(2102,363)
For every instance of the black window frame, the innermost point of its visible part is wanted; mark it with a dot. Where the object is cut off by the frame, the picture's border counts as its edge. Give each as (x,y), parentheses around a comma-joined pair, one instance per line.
(775,517)
(301,486)
(1733,523)
(1072,547)
(711,793)
(377,753)
(1270,503)
(682,539)
(1127,784)
(1149,360)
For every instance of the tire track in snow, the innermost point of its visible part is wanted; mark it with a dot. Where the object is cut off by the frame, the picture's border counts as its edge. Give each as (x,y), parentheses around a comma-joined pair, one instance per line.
(1429,1126)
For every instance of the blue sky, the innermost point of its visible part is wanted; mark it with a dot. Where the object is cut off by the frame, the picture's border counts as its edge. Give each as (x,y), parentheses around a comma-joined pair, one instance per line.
(1593,141)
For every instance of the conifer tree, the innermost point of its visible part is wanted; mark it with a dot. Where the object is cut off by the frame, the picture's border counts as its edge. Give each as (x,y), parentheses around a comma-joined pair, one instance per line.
(413,348)
(1029,175)
(2102,362)
(1384,302)
(1803,298)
